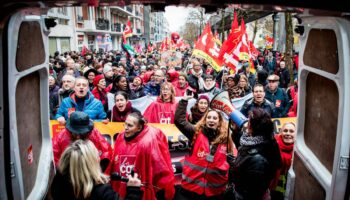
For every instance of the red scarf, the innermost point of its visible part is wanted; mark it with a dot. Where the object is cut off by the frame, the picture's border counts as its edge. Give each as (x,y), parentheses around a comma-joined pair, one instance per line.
(120,116)
(286,151)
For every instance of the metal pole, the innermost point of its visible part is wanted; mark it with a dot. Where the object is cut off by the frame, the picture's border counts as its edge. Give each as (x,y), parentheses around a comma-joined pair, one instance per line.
(275,18)
(223,25)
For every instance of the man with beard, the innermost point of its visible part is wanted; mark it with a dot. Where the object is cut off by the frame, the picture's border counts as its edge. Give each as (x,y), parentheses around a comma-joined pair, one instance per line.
(80,100)
(258,101)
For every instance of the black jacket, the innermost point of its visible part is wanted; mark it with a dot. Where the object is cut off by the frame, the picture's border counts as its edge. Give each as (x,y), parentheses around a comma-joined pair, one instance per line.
(254,169)
(266,105)
(61,188)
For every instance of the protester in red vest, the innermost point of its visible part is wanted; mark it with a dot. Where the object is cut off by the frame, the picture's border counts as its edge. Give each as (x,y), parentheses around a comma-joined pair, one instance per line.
(144,149)
(163,109)
(205,170)
(80,126)
(285,140)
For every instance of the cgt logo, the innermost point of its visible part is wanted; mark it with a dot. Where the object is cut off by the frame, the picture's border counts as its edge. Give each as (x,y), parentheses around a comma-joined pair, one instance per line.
(126,164)
(201,153)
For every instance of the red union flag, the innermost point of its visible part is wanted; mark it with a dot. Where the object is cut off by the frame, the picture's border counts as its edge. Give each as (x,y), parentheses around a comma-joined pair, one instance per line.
(127,31)
(268,42)
(207,48)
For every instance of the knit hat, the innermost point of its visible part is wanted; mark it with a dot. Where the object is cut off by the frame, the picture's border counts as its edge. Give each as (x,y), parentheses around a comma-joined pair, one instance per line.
(107,67)
(139,77)
(97,79)
(203,96)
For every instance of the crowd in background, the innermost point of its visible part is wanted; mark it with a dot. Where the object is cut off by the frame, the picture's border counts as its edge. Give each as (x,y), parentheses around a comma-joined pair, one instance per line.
(99,86)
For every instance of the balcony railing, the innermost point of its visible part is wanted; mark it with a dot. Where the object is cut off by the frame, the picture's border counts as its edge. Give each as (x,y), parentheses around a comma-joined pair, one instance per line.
(129,8)
(102,24)
(117,27)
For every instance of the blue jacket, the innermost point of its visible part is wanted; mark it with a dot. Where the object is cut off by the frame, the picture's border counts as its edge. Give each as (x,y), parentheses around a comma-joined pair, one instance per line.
(152,89)
(280,100)
(93,107)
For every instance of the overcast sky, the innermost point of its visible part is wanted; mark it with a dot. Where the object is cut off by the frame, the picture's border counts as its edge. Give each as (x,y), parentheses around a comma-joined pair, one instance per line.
(176,16)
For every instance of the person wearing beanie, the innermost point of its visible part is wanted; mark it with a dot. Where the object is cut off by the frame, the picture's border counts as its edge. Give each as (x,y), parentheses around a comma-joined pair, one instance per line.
(199,109)
(136,88)
(99,90)
(108,72)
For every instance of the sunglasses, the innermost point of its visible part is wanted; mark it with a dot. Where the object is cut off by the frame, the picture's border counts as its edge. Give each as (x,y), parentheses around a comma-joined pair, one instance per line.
(288,130)
(272,81)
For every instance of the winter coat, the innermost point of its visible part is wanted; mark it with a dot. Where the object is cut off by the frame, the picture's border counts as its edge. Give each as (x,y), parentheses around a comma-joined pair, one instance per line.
(212,90)
(53,100)
(266,105)
(92,107)
(254,169)
(136,93)
(161,112)
(152,89)
(148,154)
(280,100)
(117,116)
(180,91)
(292,93)
(63,139)
(284,77)
(62,189)
(100,95)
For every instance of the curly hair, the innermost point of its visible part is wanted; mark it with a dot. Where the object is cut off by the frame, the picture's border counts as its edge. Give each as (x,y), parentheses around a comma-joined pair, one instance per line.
(221,138)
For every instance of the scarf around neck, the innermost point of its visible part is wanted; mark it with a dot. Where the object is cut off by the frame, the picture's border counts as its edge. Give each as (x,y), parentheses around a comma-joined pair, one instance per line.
(120,116)
(247,140)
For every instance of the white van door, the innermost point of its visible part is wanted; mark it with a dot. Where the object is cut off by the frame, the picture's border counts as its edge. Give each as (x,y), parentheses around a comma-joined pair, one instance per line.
(28,105)
(321,159)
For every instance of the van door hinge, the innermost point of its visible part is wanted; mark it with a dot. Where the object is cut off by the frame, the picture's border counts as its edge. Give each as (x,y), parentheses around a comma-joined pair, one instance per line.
(13,174)
(344,162)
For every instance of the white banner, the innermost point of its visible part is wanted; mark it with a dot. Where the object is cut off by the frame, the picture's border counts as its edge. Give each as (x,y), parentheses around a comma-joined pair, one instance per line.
(142,103)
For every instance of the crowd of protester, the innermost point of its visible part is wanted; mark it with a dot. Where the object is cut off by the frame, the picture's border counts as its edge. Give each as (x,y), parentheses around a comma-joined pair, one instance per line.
(99,86)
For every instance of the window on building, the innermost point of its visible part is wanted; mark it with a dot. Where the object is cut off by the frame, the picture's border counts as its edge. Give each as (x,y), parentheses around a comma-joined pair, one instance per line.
(65,44)
(52,45)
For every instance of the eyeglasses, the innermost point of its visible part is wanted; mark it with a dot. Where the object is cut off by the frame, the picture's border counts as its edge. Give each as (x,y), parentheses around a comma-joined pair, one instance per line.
(272,81)
(288,130)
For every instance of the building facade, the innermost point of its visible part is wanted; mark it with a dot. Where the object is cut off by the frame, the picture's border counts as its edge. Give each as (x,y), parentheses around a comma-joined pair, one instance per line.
(97,28)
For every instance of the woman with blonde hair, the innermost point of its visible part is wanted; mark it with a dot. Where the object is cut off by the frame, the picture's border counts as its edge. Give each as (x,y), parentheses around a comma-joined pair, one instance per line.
(243,84)
(205,170)
(79,176)
(163,109)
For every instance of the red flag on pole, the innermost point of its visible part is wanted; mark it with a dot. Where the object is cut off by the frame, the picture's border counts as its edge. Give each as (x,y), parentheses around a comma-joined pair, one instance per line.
(127,31)
(207,48)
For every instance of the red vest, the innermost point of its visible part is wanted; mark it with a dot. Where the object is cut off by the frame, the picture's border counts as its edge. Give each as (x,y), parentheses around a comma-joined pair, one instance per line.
(149,156)
(204,177)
